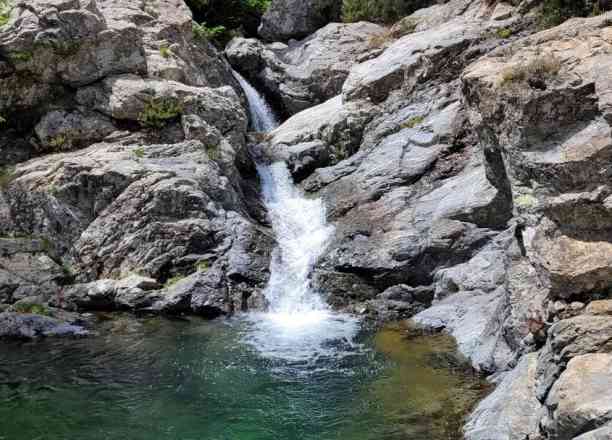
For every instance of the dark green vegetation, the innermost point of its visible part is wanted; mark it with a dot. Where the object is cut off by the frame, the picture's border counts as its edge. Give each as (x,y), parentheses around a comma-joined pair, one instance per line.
(555,12)
(219,20)
(153,379)
(380,11)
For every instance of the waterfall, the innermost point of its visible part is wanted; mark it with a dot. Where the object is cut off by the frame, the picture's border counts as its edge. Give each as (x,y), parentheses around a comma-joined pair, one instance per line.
(299,326)
(263,118)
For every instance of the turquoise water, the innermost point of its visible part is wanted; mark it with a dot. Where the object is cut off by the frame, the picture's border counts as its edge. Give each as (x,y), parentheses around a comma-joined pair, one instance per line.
(155,379)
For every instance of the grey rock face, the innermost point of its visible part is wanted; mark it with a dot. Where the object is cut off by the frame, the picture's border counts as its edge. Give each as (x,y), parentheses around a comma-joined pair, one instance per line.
(286,19)
(149,176)
(28,326)
(512,411)
(580,400)
(50,49)
(307,72)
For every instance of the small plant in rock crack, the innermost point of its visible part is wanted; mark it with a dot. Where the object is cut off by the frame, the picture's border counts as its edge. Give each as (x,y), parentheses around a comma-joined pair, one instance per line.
(32,308)
(21,56)
(503,33)
(413,122)
(538,68)
(139,152)
(526,201)
(59,142)
(213,152)
(172,281)
(202,266)
(158,112)
(165,51)
(6,176)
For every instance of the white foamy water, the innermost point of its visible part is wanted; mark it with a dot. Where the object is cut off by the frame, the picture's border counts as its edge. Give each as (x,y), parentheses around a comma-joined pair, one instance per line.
(299,326)
(263,118)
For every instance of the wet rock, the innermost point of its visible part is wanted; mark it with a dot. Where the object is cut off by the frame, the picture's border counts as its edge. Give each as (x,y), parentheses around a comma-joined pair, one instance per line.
(285,19)
(512,411)
(26,262)
(28,326)
(307,72)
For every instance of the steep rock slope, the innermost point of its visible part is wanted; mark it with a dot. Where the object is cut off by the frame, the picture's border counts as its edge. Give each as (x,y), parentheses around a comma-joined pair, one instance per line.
(136,135)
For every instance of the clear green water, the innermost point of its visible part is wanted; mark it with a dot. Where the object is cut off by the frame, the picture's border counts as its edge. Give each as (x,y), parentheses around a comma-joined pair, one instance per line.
(155,379)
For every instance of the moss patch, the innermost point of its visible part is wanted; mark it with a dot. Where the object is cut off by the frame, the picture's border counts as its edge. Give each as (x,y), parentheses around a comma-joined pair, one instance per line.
(33,308)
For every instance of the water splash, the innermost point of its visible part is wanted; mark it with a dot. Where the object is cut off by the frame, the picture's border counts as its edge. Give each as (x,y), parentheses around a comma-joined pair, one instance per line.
(299,326)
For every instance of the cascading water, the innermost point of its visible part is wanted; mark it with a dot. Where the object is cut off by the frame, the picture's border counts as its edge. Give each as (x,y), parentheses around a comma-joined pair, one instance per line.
(298,326)
(263,118)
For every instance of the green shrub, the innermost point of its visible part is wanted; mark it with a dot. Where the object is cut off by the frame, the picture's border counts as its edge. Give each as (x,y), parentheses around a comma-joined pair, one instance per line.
(202,266)
(504,33)
(159,111)
(555,12)
(139,152)
(165,51)
(36,309)
(59,142)
(5,11)
(379,11)
(203,32)
(228,17)
(538,68)
(23,56)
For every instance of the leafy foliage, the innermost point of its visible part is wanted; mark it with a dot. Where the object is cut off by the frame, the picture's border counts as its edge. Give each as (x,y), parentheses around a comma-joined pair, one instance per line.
(139,152)
(379,11)
(224,18)
(203,32)
(165,51)
(159,111)
(555,12)
(5,11)
(33,308)
(504,33)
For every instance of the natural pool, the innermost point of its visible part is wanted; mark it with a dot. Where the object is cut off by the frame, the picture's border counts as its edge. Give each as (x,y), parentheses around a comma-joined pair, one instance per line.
(154,379)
